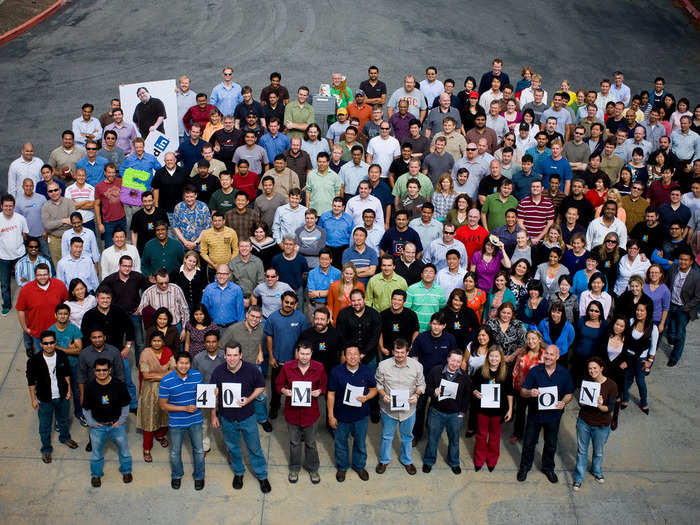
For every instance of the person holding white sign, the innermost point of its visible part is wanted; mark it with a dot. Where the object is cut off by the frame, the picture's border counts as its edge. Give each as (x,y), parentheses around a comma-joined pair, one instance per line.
(236,417)
(545,411)
(448,387)
(597,400)
(206,362)
(302,381)
(400,383)
(178,397)
(348,412)
(494,408)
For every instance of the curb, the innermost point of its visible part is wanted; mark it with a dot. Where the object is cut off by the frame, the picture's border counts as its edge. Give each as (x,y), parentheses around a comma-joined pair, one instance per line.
(692,10)
(26,26)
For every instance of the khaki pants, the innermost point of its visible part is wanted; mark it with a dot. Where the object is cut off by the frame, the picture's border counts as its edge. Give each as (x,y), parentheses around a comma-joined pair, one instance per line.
(55,249)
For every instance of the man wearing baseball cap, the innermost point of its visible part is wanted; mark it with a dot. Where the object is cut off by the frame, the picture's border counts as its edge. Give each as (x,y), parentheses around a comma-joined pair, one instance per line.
(360,109)
(336,129)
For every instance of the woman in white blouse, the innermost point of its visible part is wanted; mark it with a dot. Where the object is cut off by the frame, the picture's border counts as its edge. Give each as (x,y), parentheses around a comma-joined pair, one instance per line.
(596,291)
(634,263)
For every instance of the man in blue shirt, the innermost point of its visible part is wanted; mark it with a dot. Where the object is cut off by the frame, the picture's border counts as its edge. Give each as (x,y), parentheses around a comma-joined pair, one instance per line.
(282,331)
(430,348)
(345,416)
(321,278)
(238,420)
(548,374)
(338,225)
(362,256)
(178,396)
(556,163)
(273,141)
(226,95)
(291,266)
(190,151)
(224,299)
(93,164)
(76,264)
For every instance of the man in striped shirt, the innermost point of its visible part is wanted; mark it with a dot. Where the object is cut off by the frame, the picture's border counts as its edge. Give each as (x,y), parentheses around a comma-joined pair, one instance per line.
(163,293)
(425,297)
(535,213)
(178,396)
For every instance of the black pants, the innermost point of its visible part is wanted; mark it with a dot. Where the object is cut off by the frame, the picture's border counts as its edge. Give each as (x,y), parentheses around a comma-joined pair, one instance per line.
(519,420)
(337,254)
(275,397)
(473,413)
(421,408)
(532,433)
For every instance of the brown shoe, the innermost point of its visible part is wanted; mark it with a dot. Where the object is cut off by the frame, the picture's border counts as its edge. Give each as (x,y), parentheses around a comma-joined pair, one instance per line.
(410,468)
(46,457)
(128,478)
(381,468)
(96,482)
(70,444)
(362,473)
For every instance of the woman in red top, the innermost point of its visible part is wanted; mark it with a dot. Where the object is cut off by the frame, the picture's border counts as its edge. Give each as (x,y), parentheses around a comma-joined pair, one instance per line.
(476,298)
(596,196)
(534,344)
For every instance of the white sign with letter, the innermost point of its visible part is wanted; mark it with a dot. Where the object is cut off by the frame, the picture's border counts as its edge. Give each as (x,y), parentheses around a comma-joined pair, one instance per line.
(590,390)
(352,392)
(399,400)
(490,395)
(448,389)
(301,393)
(206,396)
(230,395)
(547,398)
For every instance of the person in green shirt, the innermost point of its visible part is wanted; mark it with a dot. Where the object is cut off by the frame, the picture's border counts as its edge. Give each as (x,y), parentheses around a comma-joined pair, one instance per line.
(298,115)
(382,285)
(400,186)
(493,212)
(161,252)
(425,297)
(322,185)
(222,200)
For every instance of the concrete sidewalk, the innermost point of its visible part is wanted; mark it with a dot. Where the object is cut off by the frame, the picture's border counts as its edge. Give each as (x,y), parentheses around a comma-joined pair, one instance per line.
(651,466)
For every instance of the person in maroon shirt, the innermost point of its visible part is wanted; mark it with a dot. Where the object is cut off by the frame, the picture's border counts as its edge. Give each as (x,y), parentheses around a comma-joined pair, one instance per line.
(36,304)
(198,114)
(302,420)
(246,181)
(659,191)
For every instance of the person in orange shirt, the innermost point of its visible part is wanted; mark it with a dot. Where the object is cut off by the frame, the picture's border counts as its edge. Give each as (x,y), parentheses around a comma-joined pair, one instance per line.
(339,291)
(359,109)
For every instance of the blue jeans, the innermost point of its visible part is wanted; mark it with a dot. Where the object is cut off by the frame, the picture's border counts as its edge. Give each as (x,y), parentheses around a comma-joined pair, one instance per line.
(358,431)
(389,425)
(585,433)
(260,406)
(6,282)
(77,408)
(98,438)
(675,331)
(130,386)
(437,421)
(177,435)
(248,430)
(61,407)
(138,335)
(109,230)
(636,373)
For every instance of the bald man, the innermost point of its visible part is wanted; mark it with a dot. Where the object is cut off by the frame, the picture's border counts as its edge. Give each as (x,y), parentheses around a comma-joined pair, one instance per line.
(26,166)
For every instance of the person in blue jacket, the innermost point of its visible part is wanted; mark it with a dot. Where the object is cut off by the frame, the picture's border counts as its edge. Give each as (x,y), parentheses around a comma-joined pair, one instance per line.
(558,331)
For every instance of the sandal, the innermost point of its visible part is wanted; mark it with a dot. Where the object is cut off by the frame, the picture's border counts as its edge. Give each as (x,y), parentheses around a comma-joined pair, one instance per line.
(163,442)
(147,456)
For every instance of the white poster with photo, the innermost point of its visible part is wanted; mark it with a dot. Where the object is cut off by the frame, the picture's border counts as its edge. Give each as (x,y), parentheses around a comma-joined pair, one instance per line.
(163,90)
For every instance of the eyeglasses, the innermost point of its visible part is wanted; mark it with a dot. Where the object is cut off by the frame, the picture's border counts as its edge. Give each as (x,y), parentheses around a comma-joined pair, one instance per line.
(54,190)
(385,129)
(91,149)
(33,247)
(445,232)
(47,343)
(611,241)
(578,133)
(223,273)
(101,370)
(471,149)
(228,74)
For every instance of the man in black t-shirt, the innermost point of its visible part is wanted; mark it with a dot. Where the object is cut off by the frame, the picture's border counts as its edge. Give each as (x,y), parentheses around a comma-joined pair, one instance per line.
(397,323)
(374,89)
(205,182)
(149,114)
(143,223)
(324,339)
(650,233)
(225,141)
(168,183)
(106,407)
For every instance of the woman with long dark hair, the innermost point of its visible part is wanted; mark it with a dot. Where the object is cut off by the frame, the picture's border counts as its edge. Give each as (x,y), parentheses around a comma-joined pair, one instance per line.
(590,329)
(461,321)
(532,311)
(558,331)
(566,298)
(616,361)
(474,358)
(641,345)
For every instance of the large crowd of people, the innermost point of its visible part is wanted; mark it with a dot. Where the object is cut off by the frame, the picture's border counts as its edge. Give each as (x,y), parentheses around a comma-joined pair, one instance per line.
(431,259)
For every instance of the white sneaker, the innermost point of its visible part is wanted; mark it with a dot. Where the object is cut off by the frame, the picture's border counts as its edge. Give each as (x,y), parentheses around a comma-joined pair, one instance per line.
(576,486)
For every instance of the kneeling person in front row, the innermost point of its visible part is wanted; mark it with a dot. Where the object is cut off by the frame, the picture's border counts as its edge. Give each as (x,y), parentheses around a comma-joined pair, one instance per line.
(106,407)
(178,395)
(236,417)
(350,386)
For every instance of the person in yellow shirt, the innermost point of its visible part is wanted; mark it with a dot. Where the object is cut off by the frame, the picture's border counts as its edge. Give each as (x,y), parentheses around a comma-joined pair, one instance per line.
(218,244)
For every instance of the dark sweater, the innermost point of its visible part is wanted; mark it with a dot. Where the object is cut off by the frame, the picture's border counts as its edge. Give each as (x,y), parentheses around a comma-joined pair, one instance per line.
(448,406)
(38,375)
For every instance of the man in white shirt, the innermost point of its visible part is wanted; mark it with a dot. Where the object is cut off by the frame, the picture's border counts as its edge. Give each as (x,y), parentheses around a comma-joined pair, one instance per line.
(436,252)
(604,96)
(83,196)
(527,95)
(495,121)
(450,277)
(13,231)
(606,223)
(620,91)
(26,166)
(362,201)
(89,248)
(109,262)
(86,127)
(383,149)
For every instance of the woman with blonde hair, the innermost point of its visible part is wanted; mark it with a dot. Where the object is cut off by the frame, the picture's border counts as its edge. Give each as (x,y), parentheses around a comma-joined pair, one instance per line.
(487,445)
(444,197)
(534,345)
(216,122)
(339,291)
